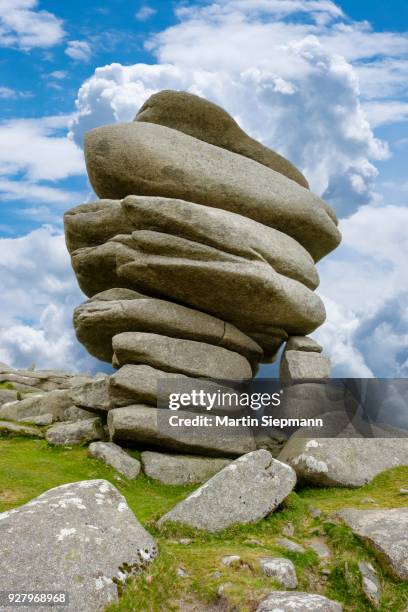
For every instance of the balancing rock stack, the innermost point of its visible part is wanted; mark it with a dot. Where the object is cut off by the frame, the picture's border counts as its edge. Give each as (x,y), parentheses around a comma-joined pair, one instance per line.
(199,258)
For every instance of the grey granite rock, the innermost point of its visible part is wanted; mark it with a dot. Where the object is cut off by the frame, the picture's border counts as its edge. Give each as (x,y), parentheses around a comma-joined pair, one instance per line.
(290,545)
(74,413)
(79,432)
(93,395)
(207,121)
(285,601)
(180,469)
(370,583)
(99,319)
(343,462)
(245,491)
(116,457)
(298,365)
(39,419)
(147,159)
(7,396)
(16,429)
(385,532)
(150,427)
(80,538)
(179,356)
(53,402)
(303,343)
(280,569)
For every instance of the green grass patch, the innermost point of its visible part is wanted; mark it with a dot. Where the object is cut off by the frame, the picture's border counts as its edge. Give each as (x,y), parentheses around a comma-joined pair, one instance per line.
(30,467)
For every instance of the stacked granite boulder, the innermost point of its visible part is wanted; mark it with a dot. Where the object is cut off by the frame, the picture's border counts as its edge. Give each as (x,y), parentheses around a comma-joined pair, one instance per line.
(199,258)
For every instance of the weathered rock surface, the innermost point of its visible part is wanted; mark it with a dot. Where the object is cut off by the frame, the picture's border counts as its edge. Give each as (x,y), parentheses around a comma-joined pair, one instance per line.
(303,343)
(105,315)
(385,532)
(280,569)
(73,413)
(40,419)
(93,395)
(8,428)
(53,402)
(150,426)
(245,491)
(79,432)
(189,357)
(284,601)
(148,159)
(7,395)
(343,462)
(116,457)
(79,538)
(370,583)
(180,469)
(249,294)
(137,384)
(207,121)
(303,365)
(290,545)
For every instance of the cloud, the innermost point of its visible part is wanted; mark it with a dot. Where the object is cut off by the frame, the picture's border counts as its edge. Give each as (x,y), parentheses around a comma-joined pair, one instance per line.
(39,292)
(79,50)
(145,12)
(23,26)
(6,93)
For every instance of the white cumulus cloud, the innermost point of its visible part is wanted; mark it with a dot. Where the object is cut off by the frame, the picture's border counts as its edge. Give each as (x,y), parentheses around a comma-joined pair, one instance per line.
(79,50)
(24,25)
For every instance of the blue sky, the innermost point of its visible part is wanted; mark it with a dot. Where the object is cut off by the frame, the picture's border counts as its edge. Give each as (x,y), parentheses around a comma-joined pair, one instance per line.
(324,83)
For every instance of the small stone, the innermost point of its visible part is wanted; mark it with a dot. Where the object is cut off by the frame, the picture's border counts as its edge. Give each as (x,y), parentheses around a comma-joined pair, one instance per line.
(367,500)
(370,583)
(403,491)
(181,572)
(231,560)
(80,432)
(320,547)
(281,569)
(224,587)
(290,545)
(253,542)
(288,530)
(185,541)
(113,455)
(315,512)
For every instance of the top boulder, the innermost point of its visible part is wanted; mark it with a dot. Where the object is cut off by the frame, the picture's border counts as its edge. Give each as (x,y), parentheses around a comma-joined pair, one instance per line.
(206,121)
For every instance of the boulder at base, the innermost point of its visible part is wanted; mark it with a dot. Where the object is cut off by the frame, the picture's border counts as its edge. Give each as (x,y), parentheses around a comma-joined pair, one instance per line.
(80,538)
(151,427)
(78,432)
(285,601)
(385,532)
(245,491)
(343,462)
(180,469)
(116,457)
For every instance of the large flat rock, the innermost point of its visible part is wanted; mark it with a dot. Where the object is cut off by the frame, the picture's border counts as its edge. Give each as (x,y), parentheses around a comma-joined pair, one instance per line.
(145,426)
(207,121)
(180,469)
(343,462)
(148,159)
(245,491)
(385,532)
(179,356)
(286,601)
(78,538)
(100,318)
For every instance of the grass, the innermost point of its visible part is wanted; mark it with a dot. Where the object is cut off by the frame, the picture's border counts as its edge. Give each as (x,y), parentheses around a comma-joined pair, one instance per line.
(30,467)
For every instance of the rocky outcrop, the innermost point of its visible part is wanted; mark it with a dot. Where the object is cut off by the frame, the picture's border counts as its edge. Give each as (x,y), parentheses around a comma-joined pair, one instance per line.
(245,491)
(198,262)
(80,538)
(285,601)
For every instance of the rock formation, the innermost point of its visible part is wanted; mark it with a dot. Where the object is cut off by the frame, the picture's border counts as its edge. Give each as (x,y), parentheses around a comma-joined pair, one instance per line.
(199,258)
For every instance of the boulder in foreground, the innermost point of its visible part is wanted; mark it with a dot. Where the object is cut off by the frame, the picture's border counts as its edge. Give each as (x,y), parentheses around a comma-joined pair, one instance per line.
(385,532)
(80,538)
(245,491)
(285,601)
(116,457)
